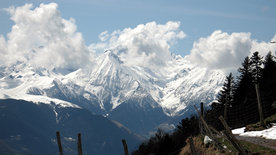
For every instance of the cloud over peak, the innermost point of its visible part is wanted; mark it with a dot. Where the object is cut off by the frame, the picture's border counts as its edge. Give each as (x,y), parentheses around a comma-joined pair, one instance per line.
(145,45)
(41,37)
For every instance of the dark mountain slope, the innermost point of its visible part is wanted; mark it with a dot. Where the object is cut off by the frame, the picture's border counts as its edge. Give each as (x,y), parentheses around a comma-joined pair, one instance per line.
(30,128)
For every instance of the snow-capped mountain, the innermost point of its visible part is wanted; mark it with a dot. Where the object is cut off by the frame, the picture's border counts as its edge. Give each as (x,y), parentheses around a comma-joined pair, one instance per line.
(111,87)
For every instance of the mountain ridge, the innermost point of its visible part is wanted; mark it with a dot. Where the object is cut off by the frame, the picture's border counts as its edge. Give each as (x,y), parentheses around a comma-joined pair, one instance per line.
(109,82)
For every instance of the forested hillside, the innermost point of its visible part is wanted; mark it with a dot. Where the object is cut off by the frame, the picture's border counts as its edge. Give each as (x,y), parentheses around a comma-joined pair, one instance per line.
(237,102)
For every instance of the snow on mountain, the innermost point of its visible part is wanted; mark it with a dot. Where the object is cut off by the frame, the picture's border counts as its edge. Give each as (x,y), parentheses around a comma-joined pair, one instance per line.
(108,82)
(191,85)
(25,82)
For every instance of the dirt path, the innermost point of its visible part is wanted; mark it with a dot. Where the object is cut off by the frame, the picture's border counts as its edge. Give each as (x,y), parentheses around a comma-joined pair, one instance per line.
(269,143)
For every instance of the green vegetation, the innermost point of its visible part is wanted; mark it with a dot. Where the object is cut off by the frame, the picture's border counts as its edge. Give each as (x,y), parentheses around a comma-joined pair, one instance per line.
(237,102)
(250,147)
(271,119)
(230,150)
(254,127)
(258,127)
(202,149)
(163,143)
(256,149)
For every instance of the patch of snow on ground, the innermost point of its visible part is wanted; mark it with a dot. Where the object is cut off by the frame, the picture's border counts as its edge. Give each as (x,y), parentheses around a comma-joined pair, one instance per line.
(267,133)
(238,131)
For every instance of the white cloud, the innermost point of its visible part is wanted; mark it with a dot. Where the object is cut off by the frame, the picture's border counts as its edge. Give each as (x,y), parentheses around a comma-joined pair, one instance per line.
(104,36)
(264,47)
(226,51)
(41,37)
(145,45)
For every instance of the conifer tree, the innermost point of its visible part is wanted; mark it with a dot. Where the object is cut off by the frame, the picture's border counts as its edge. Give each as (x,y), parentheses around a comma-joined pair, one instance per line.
(256,64)
(245,70)
(268,84)
(243,95)
(244,83)
(226,94)
(269,65)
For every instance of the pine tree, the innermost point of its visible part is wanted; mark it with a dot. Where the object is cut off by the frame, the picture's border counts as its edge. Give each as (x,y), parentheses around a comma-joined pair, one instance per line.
(245,70)
(256,64)
(226,94)
(244,83)
(244,92)
(269,65)
(268,84)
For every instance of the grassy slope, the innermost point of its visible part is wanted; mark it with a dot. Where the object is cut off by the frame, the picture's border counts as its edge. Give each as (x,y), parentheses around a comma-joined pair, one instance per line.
(202,149)
(257,126)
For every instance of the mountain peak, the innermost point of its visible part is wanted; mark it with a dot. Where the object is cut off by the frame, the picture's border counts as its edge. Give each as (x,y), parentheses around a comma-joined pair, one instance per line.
(109,82)
(112,57)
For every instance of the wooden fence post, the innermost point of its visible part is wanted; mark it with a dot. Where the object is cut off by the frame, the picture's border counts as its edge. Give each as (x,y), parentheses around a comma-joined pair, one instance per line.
(79,145)
(202,109)
(225,111)
(192,146)
(125,146)
(204,124)
(59,143)
(201,115)
(209,132)
(226,108)
(231,137)
(259,105)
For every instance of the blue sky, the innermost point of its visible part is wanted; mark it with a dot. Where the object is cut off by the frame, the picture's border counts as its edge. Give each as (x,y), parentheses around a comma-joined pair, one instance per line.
(198,18)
